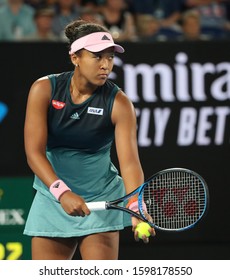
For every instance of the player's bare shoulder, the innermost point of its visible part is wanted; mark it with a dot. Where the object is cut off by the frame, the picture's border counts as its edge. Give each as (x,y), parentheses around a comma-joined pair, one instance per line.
(41,89)
(42,83)
(123,107)
(122,101)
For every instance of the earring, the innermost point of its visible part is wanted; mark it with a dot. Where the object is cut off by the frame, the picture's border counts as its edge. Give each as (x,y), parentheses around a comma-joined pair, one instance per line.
(76,65)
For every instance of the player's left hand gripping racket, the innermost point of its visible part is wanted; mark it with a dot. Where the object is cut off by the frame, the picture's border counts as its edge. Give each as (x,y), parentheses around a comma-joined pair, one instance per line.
(176,199)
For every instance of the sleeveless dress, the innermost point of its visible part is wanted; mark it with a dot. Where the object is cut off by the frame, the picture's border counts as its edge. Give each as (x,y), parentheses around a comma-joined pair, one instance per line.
(80,137)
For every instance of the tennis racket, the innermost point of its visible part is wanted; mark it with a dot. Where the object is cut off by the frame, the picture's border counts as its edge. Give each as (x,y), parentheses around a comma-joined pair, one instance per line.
(176,199)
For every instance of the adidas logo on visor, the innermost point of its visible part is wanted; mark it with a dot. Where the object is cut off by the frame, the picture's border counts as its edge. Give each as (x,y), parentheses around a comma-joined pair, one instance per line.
(105,38)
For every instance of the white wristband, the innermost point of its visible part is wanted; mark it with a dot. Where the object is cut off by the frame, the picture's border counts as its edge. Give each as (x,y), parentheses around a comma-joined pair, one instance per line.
(58,188)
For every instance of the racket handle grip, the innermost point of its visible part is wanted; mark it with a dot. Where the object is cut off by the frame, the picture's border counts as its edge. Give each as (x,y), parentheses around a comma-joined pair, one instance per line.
(96,206)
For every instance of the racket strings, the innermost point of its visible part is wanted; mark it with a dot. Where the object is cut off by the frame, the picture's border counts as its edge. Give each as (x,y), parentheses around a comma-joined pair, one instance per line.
(175,200)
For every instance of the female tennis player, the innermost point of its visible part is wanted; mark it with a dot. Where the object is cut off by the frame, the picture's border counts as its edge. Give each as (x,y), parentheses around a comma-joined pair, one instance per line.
(72,119)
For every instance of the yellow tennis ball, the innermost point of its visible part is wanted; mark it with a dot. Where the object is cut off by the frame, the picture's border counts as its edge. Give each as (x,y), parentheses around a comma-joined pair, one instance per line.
(143,229)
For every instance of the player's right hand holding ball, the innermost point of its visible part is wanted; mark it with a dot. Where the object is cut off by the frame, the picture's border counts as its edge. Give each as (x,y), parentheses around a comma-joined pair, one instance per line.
(142,230)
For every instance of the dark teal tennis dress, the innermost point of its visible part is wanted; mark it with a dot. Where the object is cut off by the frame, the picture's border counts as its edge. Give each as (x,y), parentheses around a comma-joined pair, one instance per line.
(79,142)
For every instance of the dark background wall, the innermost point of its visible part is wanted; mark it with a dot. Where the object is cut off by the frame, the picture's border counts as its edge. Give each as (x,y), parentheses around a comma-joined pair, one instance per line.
(181,92)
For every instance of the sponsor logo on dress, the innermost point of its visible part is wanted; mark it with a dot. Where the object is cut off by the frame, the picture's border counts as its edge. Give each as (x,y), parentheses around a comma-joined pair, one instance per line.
(75,116)
(95,111)
(58,104)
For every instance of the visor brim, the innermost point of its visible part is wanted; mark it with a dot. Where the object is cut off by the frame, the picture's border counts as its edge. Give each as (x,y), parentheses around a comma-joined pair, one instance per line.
(101,47)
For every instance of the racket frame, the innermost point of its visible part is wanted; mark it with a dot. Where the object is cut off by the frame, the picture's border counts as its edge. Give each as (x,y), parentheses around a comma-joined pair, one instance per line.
(176,169)
(106,205)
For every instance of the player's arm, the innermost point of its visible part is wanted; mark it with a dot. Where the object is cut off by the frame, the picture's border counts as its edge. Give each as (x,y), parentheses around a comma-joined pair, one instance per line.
(35,130)
(35,134)
(124,119)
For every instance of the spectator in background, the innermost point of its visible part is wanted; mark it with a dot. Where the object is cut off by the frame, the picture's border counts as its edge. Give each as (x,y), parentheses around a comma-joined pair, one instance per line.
(227,7)
(66,11)
(91,3)
(118,20)
(166,12)
(2,2)
(16,20)
(191,27)
(90,14)
(213,15)
(141,7)
(36,4)
(43,18)
(148,28)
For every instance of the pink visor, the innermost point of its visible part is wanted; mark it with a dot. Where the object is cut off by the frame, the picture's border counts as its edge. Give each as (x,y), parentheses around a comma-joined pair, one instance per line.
(95,42)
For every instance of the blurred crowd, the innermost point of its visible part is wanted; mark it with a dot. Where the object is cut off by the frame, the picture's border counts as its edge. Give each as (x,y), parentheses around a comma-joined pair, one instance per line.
(127,20)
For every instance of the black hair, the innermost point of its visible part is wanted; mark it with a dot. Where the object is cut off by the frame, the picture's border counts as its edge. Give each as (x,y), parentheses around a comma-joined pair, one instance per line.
(81,28)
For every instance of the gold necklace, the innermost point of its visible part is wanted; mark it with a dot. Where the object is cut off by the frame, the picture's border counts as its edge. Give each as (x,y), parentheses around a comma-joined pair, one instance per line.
(76,96)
